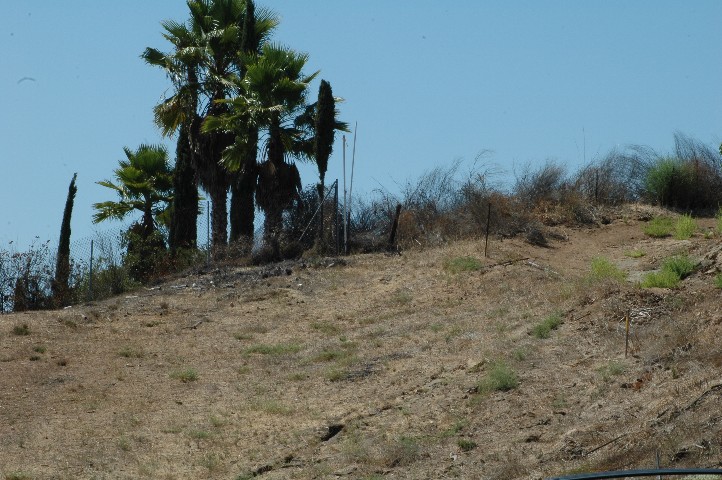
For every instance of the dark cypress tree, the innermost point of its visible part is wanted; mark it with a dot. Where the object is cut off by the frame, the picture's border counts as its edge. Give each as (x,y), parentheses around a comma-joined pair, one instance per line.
(324,127)
(60,287)
(183,226)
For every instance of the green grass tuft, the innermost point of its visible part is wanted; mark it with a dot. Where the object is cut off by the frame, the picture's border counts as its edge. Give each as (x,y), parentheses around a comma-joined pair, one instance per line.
(277,349)
(185,375)
(17,476)
(718,280)
(681,265)
(603,269)
(611,369)
(544,329)
(500,378)
(466,445)
(659,227)
(463,264)
(663,279)
(685,227)
(21,329)
(329,355)
(673,270)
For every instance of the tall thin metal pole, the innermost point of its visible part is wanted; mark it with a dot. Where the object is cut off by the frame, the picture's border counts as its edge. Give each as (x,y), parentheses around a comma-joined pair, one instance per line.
(345,202)
(335,216)
(90,273)
(350,188)
(208,231)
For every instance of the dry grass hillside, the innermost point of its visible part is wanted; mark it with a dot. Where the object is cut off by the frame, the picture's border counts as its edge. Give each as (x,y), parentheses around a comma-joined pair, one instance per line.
(437,363)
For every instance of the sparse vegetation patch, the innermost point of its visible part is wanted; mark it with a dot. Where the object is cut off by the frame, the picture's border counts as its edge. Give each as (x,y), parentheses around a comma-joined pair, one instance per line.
(186,375)
(500,378)
(659,227)
(466,445)
(463,264)
(603,269)
(611,369)
(21,329)
(277,349)
(685,227)
(673,270)
(544,329)
(681,265)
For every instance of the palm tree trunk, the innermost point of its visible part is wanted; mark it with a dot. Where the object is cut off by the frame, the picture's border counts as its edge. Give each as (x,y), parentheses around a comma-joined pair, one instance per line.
(272,230)
(219,215)
(243,191)
(148,223)
(243,209)
(183,229)
(273,223)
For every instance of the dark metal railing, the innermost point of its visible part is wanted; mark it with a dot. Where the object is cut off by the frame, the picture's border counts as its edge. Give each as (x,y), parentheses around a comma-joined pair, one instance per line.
(659,472)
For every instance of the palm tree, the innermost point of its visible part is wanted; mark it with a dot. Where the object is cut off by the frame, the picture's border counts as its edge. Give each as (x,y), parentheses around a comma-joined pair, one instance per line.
(205,59)
(243,185)
(271,94)
(144,184)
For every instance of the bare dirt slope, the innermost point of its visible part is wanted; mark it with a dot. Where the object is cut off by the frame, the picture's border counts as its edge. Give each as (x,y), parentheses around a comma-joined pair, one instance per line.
(377,367)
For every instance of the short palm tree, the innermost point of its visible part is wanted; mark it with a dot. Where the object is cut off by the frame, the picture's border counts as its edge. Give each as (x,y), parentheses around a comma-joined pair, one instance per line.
(143,182)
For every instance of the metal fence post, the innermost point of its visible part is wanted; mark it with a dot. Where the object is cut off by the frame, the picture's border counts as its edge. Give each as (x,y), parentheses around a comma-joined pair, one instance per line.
(208,232)
(335,217)
(90,273)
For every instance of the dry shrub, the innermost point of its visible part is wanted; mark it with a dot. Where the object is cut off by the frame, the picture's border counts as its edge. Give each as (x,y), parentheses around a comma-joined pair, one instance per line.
(444,204)
(613,180)
(543,185)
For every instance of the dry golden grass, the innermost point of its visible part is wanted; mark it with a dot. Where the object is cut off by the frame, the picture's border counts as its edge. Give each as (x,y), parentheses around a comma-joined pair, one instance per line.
(249,375)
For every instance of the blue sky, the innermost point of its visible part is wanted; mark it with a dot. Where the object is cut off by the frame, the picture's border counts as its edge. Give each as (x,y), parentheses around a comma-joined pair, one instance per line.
(427,81)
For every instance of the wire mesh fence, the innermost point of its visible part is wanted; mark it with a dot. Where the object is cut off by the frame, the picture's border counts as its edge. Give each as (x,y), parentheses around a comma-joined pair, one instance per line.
(101,264)
(97,267)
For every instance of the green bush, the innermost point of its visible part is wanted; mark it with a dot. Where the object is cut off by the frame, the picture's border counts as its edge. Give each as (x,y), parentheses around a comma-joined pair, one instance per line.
(681,265)
(144,254)
(674,269)
(663,279)
(670,183)
(685,227)
(466,445)
(659,227)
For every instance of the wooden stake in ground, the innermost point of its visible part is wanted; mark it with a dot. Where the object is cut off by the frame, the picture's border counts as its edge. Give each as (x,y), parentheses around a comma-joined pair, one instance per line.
(488,222)
(626,335)
(394,227)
